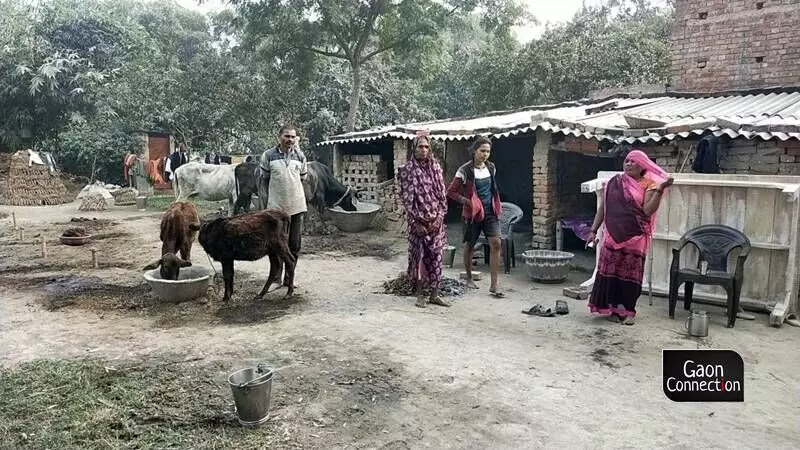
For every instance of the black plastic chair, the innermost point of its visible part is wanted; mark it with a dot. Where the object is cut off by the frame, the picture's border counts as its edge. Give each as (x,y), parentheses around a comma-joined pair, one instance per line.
(511,215)
(714,244)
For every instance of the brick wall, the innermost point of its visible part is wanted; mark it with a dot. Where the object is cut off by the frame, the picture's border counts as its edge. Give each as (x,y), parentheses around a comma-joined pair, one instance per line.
(738,156)
(724,45)
(572,170)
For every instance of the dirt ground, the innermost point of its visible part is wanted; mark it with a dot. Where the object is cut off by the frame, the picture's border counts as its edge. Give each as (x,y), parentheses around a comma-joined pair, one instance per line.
(361,369)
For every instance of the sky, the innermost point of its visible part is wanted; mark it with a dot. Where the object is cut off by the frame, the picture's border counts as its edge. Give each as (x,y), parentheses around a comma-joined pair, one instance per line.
(552,11)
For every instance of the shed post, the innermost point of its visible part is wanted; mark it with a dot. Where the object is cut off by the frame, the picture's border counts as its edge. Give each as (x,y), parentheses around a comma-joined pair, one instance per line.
(400,151)
(336,160)
(544,181)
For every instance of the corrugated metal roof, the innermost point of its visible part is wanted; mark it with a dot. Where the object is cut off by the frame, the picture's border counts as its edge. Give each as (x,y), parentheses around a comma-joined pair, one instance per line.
(499,124)
(763,115)
(786,105)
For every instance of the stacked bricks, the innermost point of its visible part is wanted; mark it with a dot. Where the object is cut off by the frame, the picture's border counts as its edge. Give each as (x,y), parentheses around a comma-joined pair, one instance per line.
(544,192)
(365,173)
(390,198)
(734,44)
(392,206)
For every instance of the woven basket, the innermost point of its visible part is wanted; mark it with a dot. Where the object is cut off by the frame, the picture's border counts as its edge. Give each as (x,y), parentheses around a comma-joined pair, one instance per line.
(547,266)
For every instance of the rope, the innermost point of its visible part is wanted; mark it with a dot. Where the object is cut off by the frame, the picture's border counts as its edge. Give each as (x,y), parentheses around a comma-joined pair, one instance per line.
(212,265)
(342,198)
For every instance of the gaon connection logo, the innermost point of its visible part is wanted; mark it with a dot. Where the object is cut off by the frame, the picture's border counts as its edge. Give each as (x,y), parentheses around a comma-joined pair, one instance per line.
(703,375)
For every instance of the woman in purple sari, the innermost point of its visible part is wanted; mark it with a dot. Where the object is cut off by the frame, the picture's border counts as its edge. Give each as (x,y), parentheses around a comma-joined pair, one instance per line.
(422,191)
(628,215)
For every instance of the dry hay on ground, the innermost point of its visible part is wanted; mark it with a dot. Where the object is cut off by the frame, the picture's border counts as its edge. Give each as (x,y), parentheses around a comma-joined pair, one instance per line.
(171,400)
(34,185)
(356,245)
(404,287)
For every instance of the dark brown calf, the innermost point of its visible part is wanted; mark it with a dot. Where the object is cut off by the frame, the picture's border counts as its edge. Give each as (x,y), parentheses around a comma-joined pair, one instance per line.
(179,226)
(250,237)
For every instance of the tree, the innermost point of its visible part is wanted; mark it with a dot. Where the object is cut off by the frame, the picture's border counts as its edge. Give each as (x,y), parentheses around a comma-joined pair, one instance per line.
(356,31)
(43,85)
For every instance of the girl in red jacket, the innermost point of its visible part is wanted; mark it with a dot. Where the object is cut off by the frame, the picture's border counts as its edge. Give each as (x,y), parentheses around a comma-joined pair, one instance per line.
(475,188)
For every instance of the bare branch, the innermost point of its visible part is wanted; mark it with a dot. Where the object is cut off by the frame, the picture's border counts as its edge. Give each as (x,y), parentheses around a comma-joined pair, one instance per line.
(324,52)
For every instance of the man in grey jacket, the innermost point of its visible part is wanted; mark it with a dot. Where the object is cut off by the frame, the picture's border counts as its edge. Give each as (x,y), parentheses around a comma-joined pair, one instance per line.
(280,176)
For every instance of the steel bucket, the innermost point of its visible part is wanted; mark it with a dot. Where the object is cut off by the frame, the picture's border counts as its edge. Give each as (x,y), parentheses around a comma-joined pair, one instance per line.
(449,255)
(141,202)
(697,324)
(252,392)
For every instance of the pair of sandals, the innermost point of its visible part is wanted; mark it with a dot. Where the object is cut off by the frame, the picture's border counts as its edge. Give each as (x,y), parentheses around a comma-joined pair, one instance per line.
(538,310)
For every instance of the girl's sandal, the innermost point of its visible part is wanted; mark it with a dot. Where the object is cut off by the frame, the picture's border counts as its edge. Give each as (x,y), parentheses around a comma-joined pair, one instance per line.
(439,301)
(421,303)
(497,294)
(628,320)
(538,310)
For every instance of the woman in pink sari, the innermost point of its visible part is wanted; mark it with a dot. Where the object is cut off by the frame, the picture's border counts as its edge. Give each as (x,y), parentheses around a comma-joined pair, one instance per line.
(423,194)
(628,214)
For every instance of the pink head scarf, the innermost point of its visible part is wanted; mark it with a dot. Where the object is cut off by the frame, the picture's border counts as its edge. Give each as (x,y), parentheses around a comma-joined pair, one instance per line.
(635,194)
(651,169)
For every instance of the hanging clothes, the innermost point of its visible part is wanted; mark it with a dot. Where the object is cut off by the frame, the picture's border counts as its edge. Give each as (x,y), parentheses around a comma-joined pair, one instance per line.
(706,159)
(154,172)
(127,165)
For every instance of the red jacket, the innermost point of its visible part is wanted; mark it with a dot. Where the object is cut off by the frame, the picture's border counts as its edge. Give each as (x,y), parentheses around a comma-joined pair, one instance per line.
(464,193)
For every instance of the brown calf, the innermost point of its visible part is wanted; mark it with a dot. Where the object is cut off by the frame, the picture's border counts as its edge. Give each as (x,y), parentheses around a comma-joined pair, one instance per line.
(250,237)
(179,226)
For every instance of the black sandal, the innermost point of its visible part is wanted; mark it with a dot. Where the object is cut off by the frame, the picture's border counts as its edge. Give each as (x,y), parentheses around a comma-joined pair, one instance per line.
(538,310)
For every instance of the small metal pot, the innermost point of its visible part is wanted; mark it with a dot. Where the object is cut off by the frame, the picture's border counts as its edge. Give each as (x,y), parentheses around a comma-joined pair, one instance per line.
(449,255)
(697,324)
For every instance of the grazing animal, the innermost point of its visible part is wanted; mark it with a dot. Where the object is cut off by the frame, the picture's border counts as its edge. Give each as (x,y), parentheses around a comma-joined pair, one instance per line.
(208,181)
(322,190)
(179,226)
(250,237)
(245,174)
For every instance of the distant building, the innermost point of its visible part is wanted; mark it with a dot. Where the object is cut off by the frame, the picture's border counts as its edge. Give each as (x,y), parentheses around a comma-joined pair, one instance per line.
(719,46)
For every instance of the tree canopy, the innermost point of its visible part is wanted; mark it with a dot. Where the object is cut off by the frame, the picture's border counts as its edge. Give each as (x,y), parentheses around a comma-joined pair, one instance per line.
(82,78)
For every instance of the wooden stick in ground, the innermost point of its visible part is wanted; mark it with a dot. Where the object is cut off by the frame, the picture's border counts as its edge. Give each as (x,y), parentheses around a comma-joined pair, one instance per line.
(14,219)
(44,247)
(688,153)
(94,257)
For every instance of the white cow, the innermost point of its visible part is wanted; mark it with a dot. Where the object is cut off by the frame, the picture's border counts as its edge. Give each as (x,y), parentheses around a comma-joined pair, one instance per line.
(208,181)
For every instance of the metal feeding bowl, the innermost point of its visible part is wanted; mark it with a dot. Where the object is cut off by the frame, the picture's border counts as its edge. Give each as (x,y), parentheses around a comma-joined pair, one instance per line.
(192,282)
(355,221)
(547,266)
(75,240)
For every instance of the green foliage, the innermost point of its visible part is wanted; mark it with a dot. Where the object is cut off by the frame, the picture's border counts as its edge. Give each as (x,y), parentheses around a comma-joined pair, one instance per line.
(351,30)
(84,146)
(84,79)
